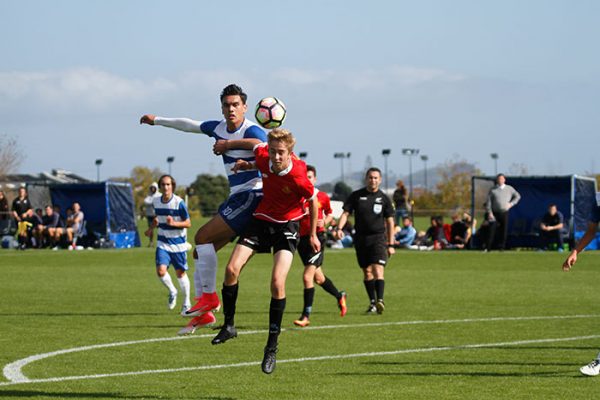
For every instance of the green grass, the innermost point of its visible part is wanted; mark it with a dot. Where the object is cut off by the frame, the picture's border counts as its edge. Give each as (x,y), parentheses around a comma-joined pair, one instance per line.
(61,300)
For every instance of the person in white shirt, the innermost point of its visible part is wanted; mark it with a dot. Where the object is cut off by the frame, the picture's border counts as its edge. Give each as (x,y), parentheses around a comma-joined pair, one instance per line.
(148,209)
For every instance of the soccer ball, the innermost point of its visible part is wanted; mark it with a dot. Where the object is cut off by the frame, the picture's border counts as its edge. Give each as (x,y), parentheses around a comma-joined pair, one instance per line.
(270,112)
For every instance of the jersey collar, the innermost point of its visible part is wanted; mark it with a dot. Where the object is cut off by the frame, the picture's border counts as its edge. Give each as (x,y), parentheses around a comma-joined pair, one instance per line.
(285,171)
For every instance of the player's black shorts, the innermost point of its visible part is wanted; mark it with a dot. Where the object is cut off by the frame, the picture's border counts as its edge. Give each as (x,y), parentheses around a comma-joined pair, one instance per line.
(262,236)
(306,252)
(371,249)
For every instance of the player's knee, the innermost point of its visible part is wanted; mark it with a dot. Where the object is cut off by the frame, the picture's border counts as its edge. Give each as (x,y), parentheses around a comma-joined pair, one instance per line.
(232,274)
(319,280)
(277,289)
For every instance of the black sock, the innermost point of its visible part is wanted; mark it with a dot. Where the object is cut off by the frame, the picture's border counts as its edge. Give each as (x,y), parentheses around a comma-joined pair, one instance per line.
(330,288)
(370,287)
(275,316)
(229,295)
(309,295)
(379,288)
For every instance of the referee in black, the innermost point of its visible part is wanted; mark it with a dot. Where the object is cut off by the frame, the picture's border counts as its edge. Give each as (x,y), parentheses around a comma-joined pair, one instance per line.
(374,238)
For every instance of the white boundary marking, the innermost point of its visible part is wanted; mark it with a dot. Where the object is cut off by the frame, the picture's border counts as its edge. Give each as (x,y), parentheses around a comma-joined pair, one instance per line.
(13,372)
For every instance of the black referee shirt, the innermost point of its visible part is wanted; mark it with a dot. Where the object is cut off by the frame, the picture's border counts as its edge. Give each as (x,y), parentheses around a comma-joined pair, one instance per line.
(370,210)
(20,206)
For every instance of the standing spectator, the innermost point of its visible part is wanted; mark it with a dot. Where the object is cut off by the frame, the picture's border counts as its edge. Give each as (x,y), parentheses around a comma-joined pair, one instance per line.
(374,237)
(551,228)
(20,211)
(148,209)
(406,236)
(500,200)
(4,210)
(400,199)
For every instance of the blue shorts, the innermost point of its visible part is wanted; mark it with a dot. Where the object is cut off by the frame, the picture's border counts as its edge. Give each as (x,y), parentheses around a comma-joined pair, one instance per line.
(237,210)
(179,260)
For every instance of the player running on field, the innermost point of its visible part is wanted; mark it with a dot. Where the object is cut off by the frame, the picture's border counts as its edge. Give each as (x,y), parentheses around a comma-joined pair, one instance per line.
(172,219)
(593,368)
(274,226)
(245,191)
(313,261)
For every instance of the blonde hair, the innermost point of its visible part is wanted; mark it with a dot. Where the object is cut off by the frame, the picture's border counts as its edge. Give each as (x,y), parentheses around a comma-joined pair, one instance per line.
(283,135)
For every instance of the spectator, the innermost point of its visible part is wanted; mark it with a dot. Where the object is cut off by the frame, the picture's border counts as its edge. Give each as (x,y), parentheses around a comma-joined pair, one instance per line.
(501,199)
(400,199)
(346,241)
(21,211)
(4,211)
(74,225)
(148,209)
(551,228)
(46,230)
(406,235)
(459,232)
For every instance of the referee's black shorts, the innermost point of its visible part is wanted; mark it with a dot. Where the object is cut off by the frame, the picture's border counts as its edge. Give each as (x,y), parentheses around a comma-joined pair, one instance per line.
(308,256)
(371,249)
(262,236)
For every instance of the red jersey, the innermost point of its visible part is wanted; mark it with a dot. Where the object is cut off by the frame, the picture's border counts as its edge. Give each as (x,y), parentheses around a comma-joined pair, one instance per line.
(284,193)
(324,205)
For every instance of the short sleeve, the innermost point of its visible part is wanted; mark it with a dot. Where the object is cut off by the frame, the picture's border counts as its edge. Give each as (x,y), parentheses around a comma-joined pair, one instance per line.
(255,132)
(389,209)
(208,127)
(326,205)
(349,203)
(183,211)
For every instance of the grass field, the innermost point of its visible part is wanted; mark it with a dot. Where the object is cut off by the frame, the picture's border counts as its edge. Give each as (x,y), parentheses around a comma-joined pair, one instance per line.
(441,306)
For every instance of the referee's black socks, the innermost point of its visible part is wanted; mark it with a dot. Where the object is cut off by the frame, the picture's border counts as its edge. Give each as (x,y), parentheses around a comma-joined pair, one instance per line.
(275,316)
(370,287)
(379,288)
(229,295)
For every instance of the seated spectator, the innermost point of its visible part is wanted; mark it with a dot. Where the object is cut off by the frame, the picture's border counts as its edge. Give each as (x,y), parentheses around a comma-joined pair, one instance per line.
(74,224)
(459,232)
(346,241)
(36,222)
(551,228)
(434,238)
(405,237)
(46,231)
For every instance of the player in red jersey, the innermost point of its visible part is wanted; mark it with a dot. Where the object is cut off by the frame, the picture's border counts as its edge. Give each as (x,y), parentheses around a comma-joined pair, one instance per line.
(313,260)
(274,225)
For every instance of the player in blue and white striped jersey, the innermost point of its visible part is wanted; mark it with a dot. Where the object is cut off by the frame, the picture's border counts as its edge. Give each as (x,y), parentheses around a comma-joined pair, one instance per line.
(236,211)
(172,219)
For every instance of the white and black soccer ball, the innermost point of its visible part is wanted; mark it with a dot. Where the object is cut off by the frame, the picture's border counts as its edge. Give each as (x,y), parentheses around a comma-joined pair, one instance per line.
(270,112)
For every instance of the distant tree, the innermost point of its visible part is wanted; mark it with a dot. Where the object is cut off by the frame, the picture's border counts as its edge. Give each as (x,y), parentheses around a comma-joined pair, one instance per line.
(141,178)
(11,155)
(210,191)
(326,187)
(341,191)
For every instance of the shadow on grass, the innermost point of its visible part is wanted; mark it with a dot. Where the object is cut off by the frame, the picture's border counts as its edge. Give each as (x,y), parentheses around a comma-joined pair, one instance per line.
(549,374)
(523,364)
(79,314)
(75,395)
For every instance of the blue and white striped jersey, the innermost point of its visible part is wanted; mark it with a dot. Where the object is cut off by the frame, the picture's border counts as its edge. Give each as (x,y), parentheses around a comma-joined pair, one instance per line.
(243,181)
(173,240)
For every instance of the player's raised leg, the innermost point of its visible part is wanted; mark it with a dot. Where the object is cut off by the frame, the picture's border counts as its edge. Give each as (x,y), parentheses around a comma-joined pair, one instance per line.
(322,280)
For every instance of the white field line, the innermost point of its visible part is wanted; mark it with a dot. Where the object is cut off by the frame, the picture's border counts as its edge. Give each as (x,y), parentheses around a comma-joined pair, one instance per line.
(13,370)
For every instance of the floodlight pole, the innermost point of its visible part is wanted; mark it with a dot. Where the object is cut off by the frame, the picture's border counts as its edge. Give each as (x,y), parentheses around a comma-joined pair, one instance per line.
(170,160)
(341,156)
(410,153)
(98,164)
(424,158)
(303,155)
(386,153)
(495,157)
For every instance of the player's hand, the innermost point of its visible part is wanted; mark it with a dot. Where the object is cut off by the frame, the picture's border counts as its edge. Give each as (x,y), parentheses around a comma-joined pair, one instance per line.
(170,220)
(148,232)
(391,250)
(315,243)
(241,165)
(339,234)
(220,147)
(147,119)
(570,261)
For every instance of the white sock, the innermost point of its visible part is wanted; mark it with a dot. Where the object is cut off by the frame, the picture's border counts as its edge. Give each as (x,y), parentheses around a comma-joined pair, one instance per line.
(166,280)
(184,284)
(197,278)
(206,264)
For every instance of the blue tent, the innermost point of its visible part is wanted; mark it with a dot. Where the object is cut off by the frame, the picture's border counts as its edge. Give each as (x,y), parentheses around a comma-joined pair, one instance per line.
(574,196)
(108,207)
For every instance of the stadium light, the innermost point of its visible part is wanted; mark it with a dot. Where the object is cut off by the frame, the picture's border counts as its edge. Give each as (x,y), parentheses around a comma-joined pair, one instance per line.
(170,160)
(341,156)
(495,158)
(410,153)
(424,158)
(302,155)
(98,164)
(386,153)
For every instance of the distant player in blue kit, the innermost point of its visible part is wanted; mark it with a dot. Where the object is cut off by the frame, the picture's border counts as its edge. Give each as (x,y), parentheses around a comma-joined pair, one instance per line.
(172,220)
(593,368)
(234,214)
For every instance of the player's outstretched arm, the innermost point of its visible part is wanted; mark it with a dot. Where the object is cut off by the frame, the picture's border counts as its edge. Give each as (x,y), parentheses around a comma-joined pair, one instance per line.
(221,146)
(181,124)
(589,235)
(242,165)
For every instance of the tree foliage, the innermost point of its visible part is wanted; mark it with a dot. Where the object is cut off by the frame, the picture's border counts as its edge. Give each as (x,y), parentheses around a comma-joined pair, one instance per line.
(209,191)
(141,178)
(11,155)
(341,191)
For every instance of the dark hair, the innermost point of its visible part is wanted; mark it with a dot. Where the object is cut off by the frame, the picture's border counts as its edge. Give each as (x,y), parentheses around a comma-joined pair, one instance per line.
(408,218)
(311,168)
(173,183)
(234,90)
(373,169)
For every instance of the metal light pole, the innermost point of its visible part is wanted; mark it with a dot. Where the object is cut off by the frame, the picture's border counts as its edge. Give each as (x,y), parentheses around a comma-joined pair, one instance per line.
(341,156)
(495,158)
(386,153)
(410,153)
(170,160)
(424,158)
(98,164)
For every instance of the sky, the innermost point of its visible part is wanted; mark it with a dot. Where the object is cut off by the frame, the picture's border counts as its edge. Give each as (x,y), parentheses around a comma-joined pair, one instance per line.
(454,79)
